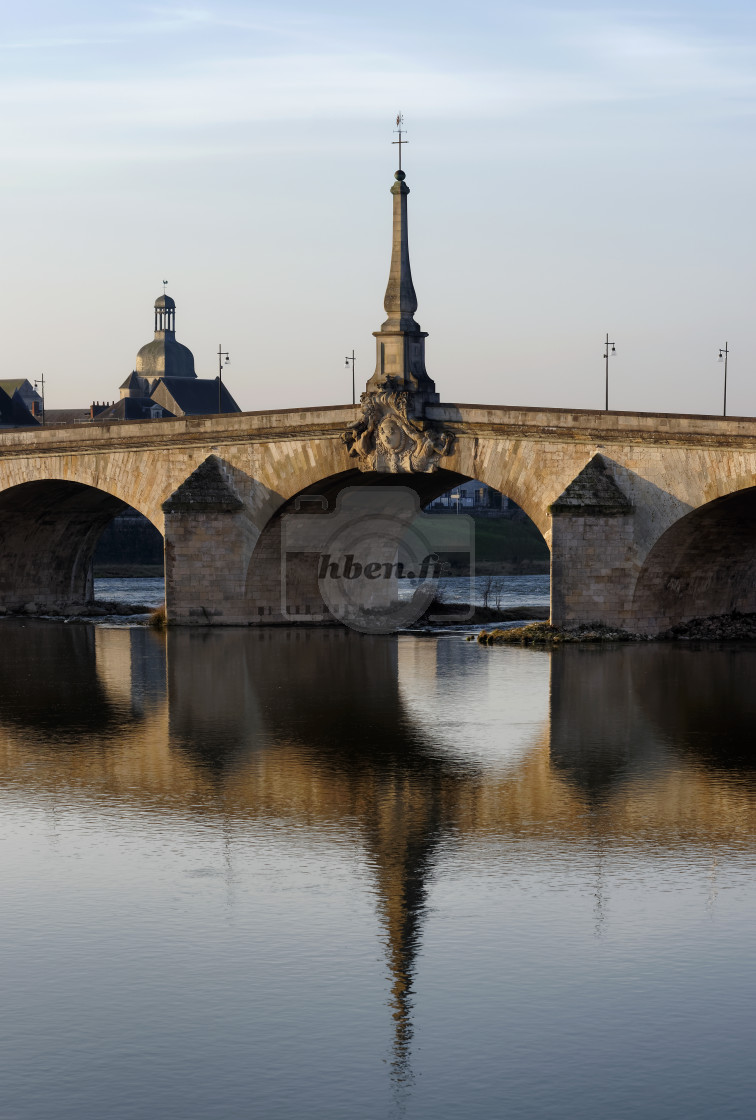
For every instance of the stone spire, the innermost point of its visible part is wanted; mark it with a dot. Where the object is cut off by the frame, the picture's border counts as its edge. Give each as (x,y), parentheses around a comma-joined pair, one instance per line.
(400,342)
(400,301)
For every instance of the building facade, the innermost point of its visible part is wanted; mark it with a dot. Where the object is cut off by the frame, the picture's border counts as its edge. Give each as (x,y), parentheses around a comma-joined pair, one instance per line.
(476,498)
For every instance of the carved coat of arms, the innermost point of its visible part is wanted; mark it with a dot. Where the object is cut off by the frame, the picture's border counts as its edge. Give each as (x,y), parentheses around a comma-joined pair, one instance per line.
(388,441)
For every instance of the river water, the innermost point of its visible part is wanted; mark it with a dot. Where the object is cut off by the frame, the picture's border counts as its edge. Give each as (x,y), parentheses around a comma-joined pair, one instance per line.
(495,591)
(302,874)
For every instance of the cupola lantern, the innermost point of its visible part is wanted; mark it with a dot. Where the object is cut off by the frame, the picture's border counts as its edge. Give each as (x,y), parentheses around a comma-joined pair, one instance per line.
(165,316)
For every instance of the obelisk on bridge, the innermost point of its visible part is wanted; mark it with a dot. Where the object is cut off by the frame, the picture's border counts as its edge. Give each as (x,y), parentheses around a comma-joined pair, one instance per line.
(395,434)
(400,343)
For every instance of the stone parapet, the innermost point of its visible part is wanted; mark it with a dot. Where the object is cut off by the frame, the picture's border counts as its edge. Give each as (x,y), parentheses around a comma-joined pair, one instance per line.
(540,424)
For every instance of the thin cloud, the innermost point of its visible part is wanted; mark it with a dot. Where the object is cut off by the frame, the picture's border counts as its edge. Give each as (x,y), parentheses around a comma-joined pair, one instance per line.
(665,58)
(614,63)
(168,21)
(53,43)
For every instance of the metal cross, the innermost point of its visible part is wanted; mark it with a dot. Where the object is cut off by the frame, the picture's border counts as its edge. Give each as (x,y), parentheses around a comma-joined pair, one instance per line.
(400,130)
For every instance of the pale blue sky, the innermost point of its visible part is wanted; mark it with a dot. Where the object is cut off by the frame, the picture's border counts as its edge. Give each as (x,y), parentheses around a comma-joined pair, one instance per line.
(573,170)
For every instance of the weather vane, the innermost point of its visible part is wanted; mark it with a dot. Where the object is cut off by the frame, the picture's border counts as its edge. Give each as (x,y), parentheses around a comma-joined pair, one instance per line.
(400,130)
(165,285)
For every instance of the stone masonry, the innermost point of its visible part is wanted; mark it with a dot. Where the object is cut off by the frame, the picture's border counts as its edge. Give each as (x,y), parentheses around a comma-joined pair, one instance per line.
(658,530)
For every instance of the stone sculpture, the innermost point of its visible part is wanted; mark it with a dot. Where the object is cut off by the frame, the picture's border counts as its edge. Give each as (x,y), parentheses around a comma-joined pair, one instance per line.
(388,441)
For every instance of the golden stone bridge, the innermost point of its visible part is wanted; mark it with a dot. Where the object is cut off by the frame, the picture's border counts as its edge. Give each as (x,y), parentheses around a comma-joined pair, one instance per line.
(650,518)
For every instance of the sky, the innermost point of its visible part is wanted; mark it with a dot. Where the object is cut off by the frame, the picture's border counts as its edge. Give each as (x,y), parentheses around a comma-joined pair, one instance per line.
(573,171)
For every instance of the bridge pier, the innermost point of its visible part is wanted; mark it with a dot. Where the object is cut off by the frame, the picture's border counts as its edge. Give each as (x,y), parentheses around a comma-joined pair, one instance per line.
(592,571)
(209,539)
(593,552)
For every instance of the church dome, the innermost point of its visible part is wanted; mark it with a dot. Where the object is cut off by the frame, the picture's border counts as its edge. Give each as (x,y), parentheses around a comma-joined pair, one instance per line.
(164,356)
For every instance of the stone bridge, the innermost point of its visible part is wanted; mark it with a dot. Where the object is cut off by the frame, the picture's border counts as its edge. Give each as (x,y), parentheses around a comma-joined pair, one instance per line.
(650,519)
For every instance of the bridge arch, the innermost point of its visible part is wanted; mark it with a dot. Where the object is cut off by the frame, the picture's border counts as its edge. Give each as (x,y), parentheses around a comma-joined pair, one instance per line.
(263,588)
(49,530)
(513,467)
(704,564)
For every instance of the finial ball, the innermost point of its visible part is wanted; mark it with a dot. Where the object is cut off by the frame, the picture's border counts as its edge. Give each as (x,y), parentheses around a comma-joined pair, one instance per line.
(399,175)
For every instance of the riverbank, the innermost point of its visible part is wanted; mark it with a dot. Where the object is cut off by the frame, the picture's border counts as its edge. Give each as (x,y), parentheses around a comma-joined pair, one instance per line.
(441,613)
(85,613)
(733,627)
(128,571)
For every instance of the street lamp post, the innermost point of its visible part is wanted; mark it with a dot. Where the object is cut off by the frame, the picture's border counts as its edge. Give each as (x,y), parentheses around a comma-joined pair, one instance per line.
(346,363)
(607,344)
(221,355)
(723,353)
(41,383)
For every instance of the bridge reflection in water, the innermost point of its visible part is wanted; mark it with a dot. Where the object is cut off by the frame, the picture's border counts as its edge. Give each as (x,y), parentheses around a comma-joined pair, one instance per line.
(394,743)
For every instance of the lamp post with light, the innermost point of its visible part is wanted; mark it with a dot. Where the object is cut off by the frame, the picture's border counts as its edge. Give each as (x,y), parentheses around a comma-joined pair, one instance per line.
(40,384)
(607,344)
(347,362)
(221,355)
(723,354)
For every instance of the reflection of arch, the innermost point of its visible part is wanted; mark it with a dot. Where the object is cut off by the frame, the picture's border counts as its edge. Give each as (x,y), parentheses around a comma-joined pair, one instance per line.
(705,564)
(700,702)
(368,768)
(626,710)
(599,737)
(320,718)
(52,687)
(49,531)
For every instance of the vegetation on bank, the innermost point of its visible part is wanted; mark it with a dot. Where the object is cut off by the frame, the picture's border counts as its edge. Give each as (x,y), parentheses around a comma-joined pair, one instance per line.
(499,540)
(101,608)
(504,546)
(734,627)
(544,634)
(441,612)
(158,619)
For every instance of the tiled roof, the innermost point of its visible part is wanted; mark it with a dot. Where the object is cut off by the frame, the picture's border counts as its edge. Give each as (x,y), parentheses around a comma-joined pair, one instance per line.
(14,413)
(195,397)
(131,408)
(66,415)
